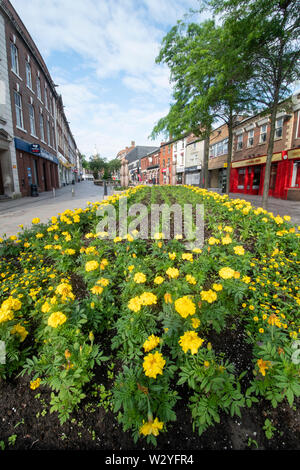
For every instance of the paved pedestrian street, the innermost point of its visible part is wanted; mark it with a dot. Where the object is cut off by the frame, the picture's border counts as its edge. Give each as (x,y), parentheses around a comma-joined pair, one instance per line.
(14,213)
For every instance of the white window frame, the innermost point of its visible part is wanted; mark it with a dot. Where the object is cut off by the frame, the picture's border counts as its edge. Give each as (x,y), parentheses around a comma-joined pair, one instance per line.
(263,140)
(32,119)
(38,88)
(250,138)
(14,58)
(239,142)
(28,75)
(42,128)
(19,110)
(46,97)
(48,132)
(278,128)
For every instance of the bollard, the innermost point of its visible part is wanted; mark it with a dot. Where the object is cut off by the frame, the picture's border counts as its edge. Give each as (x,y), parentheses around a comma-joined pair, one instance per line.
(73,192)
(53,192)
(105,188)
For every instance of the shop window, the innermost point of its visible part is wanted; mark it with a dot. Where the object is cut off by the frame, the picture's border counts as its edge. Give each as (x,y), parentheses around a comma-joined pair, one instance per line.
(273,176)
(296,175)
(241,178)
(256,177)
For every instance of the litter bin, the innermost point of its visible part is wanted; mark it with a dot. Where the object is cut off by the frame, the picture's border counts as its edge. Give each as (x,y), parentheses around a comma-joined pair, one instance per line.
(34,190)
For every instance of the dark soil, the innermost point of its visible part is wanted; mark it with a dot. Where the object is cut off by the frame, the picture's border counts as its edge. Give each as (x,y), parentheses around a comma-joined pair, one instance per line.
(25,414)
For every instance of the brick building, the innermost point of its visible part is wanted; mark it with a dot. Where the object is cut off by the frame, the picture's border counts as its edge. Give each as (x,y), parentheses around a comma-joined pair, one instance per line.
(250,145)
(150,169)
(33,103)
(165,162)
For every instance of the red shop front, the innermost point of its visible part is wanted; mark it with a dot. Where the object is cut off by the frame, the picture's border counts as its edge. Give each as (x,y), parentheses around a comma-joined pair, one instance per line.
(247,176)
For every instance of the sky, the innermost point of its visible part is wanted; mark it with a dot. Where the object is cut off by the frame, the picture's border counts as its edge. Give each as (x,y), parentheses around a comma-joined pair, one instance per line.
(102,54)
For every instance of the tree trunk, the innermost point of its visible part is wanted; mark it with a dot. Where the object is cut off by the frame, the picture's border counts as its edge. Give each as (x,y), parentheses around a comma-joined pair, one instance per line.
(270,153)
(205,160)
(229,154)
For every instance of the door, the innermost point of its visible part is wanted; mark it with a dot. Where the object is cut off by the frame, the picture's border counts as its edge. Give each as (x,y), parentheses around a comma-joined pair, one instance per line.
(273,176)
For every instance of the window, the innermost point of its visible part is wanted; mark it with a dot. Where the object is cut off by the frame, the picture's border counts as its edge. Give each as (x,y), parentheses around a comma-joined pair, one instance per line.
(38,88)
(241,178)
(175,147)
(18,108)
(48,133)
(182,144)
(46,97)
(32,119)
(42,127)
(250,140)
(278,128)
(28,75)
(14,58)
(263,134)
(239,144)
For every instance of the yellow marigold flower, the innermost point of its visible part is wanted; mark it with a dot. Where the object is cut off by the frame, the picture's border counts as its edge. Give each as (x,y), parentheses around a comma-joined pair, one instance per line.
(217,287)
(209,295)
(139,278)
(35,221)
(158,280)
(147,298)
(185,306)
(206,364)
(172,255)
(228,229)
(213,241)
(263,366)
(134,304)
(226,273)
(178,236)
(190,340)
(246,279)
(158,236)
(195,322)
(239,250)
(153,364)
(35,384)
(103,264)
(70,251)
(65,290)
(130,268)
(117,239)
(56,319)
(187,256)
(173,273)
(103,282)
(190,279)
(261,330)
(168,298)
(91,266)
(151,427)
(226,240)
(97,290)
(20,330)
(255,318)
(151,343)
(46,307)
(67,354)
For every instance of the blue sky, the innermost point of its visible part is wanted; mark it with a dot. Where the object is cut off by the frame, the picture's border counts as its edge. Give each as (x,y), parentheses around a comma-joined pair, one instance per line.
(102,53)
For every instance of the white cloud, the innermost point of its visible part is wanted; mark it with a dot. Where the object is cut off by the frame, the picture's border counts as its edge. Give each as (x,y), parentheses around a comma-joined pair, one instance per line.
(115,40)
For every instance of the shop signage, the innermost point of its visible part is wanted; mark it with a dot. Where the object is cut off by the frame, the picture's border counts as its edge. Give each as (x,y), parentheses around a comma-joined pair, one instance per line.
(35,148)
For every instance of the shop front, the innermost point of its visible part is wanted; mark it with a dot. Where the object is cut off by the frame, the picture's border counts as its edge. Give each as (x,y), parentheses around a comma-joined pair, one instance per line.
(37,168)
(193,175)
(247,176)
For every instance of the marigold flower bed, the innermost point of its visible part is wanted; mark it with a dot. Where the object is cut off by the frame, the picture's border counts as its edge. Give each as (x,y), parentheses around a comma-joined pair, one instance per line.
(130,343)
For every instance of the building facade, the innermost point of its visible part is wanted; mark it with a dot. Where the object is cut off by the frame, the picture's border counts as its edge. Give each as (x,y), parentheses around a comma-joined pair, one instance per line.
(179,157)
(194,155)
(217,162)
(32,97)
(250,146)
(9,180)
(150,167)
(165,162)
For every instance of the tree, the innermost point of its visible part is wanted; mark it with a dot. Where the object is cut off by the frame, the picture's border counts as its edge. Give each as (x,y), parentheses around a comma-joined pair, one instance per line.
(210,82)
(271,42)
(97,165)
